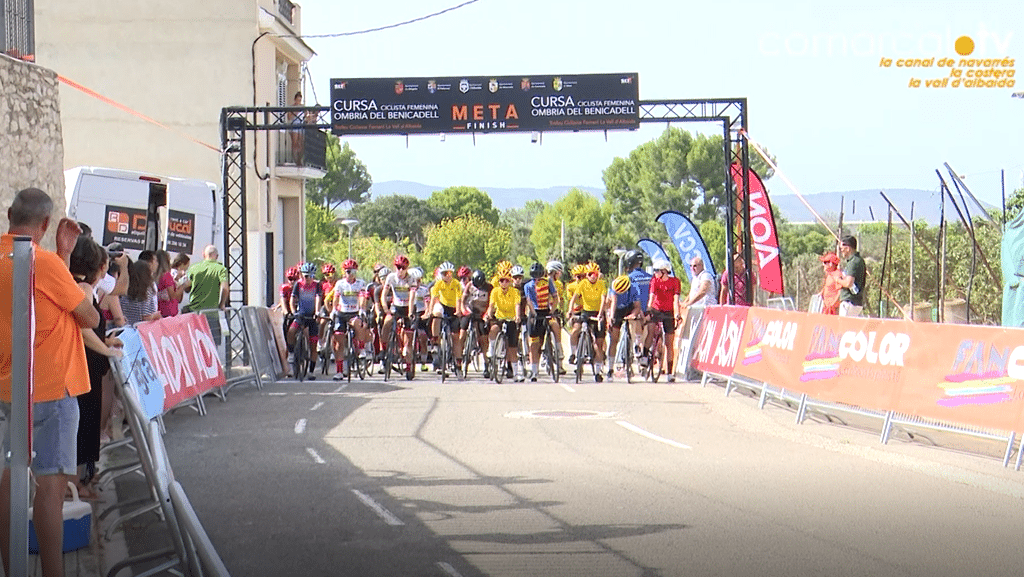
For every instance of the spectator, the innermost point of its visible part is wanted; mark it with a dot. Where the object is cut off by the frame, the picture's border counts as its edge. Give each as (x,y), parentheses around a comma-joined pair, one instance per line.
(60,374)
(168,291)
(209,283)
(739,284)
(179,268)
(854,275)
(830,289)
(88,265)
(702,289)
(139,303)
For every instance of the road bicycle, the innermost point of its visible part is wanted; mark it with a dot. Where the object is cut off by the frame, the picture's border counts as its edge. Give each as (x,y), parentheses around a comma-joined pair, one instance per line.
(354,363)
(471,352)
(656,362)
(550,351)
(393,351)
(584,346)
(499,354)
(301,352)
(446,349)
(624,351)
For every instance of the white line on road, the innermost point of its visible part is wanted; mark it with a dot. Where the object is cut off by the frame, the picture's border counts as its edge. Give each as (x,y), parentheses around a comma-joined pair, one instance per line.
(300,426)
(277,394)
(316,456)
(652,436)
(567,387)
(317,406)
(341,388)
(379,509)
(448,569)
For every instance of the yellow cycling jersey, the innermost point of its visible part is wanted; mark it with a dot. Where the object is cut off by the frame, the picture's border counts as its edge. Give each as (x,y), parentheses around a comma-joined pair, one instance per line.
(447,293)
(506,303)
(563,299)
(570,290)
(591,294)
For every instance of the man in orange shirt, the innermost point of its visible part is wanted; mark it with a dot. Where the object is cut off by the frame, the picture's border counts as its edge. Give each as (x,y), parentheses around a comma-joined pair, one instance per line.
(62,310)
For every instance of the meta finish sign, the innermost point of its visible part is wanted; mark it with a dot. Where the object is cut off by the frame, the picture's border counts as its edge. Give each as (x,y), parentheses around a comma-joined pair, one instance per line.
(526,103)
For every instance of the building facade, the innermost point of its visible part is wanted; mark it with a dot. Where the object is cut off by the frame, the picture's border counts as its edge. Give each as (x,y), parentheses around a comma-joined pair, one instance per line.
(160,72)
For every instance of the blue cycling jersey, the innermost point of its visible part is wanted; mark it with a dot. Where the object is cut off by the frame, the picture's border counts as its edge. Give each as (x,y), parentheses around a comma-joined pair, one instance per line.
(626,299)
(642,281)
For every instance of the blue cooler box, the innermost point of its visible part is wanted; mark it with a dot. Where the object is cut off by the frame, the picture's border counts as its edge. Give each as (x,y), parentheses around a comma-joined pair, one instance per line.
(77,525)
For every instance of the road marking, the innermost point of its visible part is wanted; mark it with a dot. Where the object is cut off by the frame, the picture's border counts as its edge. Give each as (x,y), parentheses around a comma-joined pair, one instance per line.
(317,406)
(567,387)
(277,394)
(652,436)
(316,456)
(448,569)
(341,388)
(379,509)
(300,426)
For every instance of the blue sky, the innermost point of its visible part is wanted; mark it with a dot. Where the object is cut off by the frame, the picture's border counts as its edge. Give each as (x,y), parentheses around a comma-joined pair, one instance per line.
(818,98)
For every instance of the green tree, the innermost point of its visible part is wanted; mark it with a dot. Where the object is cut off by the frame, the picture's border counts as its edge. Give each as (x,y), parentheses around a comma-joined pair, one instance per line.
(588,231)
(676,171)
(520,222)
(347,179)
(396,216)
(469,240)
(456,201)
(321,232)
(1014,204)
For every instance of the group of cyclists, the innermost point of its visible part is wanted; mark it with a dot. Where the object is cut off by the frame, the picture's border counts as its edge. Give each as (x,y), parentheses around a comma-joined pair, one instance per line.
(413,310)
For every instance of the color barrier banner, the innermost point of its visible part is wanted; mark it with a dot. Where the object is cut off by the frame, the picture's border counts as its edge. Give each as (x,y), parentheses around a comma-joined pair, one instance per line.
(140,374)
(716,344)
(184,353)
(972,375)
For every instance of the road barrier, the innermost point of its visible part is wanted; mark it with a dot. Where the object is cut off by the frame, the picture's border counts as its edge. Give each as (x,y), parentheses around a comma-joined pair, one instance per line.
(963,379)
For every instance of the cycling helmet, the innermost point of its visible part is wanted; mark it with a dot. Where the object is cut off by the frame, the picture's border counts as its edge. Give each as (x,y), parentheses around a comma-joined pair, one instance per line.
(416,273)
(633,259)
(555,266)
(292,274)
(383,272)
(464,272)
(479,279)
(621,284)
(401,261)
(592,267)
(328,269)
(577,270)
(662,264)
(446,267)
(349,264)
(308,268)
(536,270)
(517,271)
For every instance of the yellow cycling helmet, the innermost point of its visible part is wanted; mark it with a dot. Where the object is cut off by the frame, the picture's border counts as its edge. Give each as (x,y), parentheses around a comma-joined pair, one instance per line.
(592,267)
(621,284)
(577,270)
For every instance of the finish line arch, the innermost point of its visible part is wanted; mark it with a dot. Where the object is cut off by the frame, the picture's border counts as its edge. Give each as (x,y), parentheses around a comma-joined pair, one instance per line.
(235,122)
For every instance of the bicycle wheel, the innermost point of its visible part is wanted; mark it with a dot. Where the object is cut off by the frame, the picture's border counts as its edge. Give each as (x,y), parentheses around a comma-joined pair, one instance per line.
(444,350)
(498,358)
(391,353)
(628,359)
(657,358)
(300,362)
(350,354)
(410,367)
(549,355)
(581,355)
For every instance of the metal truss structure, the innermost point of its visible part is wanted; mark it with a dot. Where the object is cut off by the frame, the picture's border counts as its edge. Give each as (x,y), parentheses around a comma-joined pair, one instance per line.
(235,122)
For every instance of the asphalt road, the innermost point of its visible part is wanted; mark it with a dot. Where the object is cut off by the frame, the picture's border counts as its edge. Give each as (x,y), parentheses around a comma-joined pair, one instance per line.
(467,479)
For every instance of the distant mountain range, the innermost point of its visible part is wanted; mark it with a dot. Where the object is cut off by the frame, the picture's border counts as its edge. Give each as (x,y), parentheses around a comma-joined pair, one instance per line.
(857,205)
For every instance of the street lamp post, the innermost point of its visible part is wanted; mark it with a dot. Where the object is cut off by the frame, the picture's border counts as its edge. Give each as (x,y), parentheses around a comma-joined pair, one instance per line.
(620,252)
(350,223)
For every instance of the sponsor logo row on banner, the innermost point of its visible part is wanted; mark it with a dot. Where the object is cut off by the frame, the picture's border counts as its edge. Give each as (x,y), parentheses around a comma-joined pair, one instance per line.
(171,361)
(972,375)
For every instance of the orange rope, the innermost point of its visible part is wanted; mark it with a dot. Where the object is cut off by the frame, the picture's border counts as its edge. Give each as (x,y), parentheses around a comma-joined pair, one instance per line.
(124,108)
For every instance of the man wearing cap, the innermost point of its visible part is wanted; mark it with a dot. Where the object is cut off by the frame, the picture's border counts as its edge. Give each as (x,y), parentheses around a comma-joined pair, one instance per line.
(830,289)
(852,280)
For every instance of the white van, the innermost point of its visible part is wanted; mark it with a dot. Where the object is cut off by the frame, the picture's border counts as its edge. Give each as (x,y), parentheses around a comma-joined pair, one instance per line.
(145,211)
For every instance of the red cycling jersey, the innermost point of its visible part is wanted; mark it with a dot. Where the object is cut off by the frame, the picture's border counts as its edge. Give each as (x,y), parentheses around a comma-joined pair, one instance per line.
(664,292)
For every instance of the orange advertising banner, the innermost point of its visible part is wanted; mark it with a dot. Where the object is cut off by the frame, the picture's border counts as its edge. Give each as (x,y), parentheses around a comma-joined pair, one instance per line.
(973,375)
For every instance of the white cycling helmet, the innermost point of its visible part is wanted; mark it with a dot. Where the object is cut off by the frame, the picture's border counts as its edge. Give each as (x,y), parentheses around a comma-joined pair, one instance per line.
(416,273)
(383,272)
(661,264)
(517,271)
(555,266)
(446,266)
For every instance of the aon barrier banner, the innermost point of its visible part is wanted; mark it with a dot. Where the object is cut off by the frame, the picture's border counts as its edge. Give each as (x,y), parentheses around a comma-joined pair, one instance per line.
(965,374)
(184,353)
(716,345)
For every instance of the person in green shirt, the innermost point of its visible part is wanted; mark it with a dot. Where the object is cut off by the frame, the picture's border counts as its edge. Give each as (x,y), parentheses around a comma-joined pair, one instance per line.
(852,280)
(209,280)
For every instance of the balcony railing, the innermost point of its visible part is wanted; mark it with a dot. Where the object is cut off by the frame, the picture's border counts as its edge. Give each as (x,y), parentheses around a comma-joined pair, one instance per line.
(311,144)
(17,29)
(286,8)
